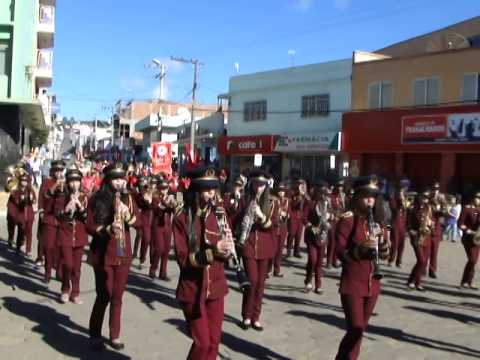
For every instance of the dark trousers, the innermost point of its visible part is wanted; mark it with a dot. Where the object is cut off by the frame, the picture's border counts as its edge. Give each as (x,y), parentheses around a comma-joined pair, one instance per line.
(420,267)
(138,241)
(146,240)
(358,311)
(331,248)
(110,283)
(316,254)
(472,252)
(24,233)
(432,254)
(281,240)
(206,329)
(295,237)
(398,244)
(40,253)
(49,241)
(160,248)
(72,263)
(252,298)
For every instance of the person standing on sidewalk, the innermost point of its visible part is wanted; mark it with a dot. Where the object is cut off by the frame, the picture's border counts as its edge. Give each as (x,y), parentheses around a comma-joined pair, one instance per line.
(202,247)
(111,213)
(360,242)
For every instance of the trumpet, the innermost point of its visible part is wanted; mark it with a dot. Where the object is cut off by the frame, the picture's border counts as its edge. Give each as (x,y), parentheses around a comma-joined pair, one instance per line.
(119,229)
(372,232)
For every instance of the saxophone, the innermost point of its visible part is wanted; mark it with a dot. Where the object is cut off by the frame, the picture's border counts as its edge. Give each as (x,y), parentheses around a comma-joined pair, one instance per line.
(426,225)
(247,222)
(119,230)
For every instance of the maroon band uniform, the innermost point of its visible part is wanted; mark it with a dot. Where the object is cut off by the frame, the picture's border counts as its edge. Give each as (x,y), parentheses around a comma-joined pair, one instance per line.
(398,204)
(469,222)
(299,208)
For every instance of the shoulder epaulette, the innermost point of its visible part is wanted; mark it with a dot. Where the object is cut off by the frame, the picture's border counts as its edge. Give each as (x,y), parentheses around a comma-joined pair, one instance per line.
(346,214)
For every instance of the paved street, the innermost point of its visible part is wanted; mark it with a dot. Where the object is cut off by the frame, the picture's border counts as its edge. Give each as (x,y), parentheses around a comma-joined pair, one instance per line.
(440,324)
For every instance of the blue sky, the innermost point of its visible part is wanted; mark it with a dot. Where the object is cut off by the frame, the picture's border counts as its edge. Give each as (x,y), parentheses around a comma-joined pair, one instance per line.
(102,47)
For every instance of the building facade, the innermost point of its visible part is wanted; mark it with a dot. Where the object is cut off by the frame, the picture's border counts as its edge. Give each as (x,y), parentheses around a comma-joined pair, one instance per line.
(26,69)
(292,117)
(416,116)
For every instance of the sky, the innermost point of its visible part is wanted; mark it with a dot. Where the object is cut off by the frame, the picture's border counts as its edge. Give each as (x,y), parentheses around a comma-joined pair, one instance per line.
(103,48)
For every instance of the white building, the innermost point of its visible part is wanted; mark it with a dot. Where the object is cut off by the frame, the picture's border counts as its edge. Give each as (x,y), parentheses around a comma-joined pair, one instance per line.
(291,116)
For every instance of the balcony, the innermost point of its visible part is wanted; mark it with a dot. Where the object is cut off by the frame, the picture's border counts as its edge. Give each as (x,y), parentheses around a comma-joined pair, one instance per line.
(44,68)
(45,26)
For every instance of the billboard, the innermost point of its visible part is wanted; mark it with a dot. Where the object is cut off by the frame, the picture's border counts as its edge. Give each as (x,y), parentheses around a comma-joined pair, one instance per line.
(441,129)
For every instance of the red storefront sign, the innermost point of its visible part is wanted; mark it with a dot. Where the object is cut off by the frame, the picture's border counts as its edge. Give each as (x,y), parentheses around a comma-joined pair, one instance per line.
(246,145)
(424,129)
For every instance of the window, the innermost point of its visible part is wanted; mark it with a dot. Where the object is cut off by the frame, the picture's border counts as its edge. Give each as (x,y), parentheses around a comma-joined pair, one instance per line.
(471,91)
(255,110)
(4,58)
(315,105)
(124,131)
(380,95)
(425,91)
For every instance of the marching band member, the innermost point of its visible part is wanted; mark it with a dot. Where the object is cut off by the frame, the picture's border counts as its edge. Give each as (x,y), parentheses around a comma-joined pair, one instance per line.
(469,222)
(234,202)
(143,196)
(316,234)
(360,243)
(111,213)
(282,228)
(339,205)
(258,243)
(49,220)
(163,205)
(439,204)
(21,214)
(71,211)
(298,216)
(421,227)
(201,250)
(399,204)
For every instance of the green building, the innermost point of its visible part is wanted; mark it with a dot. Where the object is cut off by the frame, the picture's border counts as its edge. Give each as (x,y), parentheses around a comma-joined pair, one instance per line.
(27,30)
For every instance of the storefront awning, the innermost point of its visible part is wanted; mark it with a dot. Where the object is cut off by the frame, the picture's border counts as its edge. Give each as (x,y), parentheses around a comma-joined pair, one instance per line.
(246,145)
(324,142)
(14,113)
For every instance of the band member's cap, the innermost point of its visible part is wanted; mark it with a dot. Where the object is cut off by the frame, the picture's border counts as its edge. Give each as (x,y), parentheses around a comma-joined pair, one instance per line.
(204,179)
(114,171)
(282,186)
(322,186)
(404,184)
(154,180)
(340,182)
(24,177)
(259,176)
(366,185)
(223,173)
(425,193)
(300,182)
(142,181)
(436,185)
(73,174)
(162,184)
(58,165)
(238,181)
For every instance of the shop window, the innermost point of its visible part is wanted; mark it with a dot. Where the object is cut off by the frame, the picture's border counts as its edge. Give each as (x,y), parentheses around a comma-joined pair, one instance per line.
(471,87)
(380,95)
(315,105)
(425,91)
(255,111)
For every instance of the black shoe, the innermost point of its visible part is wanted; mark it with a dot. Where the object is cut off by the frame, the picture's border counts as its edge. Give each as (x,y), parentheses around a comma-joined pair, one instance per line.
(289,254)
(46,281)
(257,326)
(244,325)
(297,255)
(151,275)
(165,278)
(278,275)
(117,345)
(432,275)
(97,345)
(420,288)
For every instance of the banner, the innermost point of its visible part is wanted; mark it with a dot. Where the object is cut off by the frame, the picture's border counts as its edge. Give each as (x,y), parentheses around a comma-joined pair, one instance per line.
(161,158)
(441,129)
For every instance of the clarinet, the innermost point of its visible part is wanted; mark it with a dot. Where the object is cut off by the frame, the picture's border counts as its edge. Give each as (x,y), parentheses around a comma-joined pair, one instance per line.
(376,260)
(242,279)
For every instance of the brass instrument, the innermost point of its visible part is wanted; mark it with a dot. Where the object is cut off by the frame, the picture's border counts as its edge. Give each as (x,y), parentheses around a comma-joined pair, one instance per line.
(426,225)
(283,213)
(119,229)
(476,237)
(247,222)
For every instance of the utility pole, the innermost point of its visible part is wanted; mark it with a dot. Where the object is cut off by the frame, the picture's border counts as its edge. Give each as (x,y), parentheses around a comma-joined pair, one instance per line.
(196,64)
